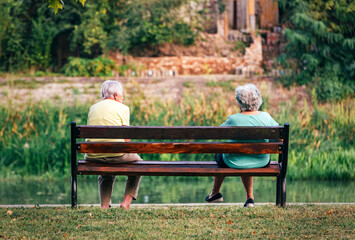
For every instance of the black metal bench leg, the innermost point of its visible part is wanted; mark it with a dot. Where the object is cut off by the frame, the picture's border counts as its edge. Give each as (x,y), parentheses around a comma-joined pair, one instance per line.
(73,192)
(284,158)
(283,191)
(278,191)
(74,135)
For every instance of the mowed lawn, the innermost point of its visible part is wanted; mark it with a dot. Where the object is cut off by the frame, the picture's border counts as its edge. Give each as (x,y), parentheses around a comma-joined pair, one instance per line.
(200,222)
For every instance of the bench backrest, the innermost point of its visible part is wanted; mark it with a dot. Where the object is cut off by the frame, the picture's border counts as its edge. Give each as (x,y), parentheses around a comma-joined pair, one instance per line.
(278,141)
(278,137)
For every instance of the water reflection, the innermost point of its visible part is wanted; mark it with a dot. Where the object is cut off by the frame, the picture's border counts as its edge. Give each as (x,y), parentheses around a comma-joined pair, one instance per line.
(174,190)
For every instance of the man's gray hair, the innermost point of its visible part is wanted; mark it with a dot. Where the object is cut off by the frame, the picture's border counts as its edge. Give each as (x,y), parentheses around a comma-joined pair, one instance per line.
(248,97)
(109,88)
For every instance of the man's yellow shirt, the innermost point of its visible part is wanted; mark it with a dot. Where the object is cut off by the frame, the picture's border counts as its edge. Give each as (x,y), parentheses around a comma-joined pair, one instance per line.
(107,113)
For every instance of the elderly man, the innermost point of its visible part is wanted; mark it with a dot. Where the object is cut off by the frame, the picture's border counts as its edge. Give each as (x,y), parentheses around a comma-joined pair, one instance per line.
(112,112)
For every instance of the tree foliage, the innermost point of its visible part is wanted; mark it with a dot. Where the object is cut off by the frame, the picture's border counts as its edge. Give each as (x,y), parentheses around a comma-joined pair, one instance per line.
(321,44)
(32,37)
(59,4)
(148,23)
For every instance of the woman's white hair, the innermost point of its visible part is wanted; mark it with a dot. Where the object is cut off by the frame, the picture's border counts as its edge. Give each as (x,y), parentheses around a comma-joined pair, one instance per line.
(248,97)
(109,88)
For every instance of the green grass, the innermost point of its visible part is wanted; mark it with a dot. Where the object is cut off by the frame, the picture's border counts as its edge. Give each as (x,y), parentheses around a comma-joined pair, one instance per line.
(188,84)
(226,85)
(29,83)
(25,84)
(215,222)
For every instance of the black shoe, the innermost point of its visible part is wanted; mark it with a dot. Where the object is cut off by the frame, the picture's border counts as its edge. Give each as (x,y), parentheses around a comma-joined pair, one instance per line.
(249,203)
(215,199)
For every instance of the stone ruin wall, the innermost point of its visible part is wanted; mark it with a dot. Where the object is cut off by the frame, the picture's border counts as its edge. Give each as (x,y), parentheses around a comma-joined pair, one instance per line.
(248,64)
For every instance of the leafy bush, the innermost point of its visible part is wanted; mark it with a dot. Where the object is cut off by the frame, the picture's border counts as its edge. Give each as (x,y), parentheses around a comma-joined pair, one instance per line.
(320,45)
(129,69)
(239,46)
(101,67)
(98,67)
(330,89)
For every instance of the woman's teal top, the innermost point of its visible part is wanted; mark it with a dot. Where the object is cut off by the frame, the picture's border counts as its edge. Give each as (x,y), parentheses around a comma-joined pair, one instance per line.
(244,161)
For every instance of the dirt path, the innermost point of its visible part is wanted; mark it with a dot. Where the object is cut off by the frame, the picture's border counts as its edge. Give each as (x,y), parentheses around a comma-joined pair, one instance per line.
(20,90)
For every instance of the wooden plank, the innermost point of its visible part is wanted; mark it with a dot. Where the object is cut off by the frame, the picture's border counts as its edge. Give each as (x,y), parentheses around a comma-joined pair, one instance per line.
(177,169)
(242,14)
(171,163)
(173,147)
(269,16)
(185,132)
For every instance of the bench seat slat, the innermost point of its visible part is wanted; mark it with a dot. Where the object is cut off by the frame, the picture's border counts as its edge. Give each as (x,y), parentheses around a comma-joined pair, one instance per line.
(147,168)
(171,147)
(179,132)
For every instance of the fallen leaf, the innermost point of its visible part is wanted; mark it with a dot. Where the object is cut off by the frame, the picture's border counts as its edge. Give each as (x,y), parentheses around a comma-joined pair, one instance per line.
(9,212)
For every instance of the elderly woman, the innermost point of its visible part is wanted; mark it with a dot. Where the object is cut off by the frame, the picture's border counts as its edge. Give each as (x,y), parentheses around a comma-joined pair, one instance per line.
(112,112)
(249,100)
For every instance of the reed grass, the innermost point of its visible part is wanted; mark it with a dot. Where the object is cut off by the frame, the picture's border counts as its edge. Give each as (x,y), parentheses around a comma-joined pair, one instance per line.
(35,137)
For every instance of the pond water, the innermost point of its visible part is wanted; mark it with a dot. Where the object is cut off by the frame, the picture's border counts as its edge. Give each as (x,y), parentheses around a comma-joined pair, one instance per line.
(174,190)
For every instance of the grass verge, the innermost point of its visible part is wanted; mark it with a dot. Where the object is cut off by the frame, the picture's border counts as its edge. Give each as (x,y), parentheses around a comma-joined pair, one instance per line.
(214,222)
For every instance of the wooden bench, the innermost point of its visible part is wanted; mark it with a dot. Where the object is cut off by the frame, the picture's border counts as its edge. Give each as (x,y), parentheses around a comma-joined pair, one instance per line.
(278,144)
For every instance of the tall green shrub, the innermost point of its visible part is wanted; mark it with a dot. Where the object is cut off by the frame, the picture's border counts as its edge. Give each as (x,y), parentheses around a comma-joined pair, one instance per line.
(321,44)
(43,32)
(11,35)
